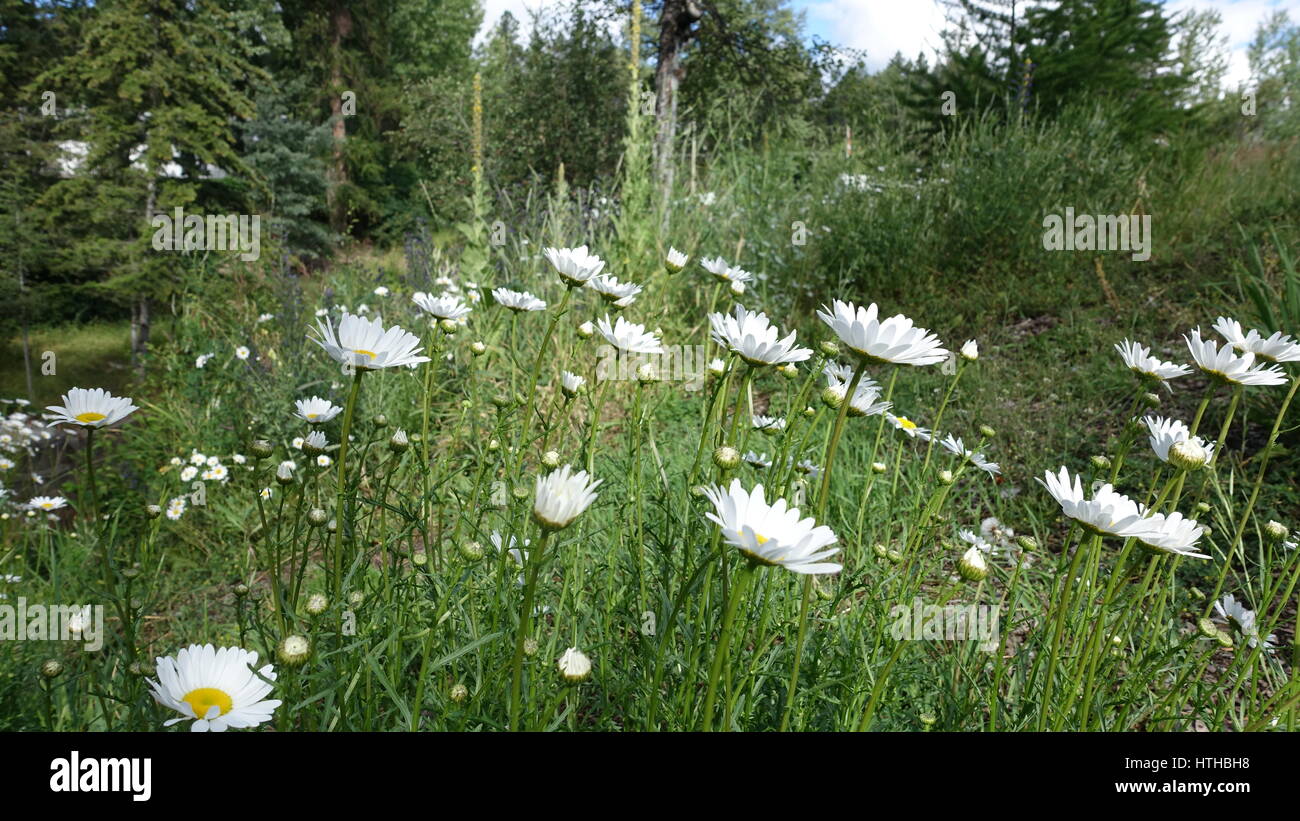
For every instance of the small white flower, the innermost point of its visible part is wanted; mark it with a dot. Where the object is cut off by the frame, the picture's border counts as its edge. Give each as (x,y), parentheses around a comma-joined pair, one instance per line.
(753,338)
(629,337)
(1241,618)
(574,665)
(47,503)
(571,383)
(1276,348)
(769,424)
(1165,433)
(562,496)
(611,290)
(517,301)
(202,360)
(758,460)
(675,260)
(364,344)
(895,339)
(1223,364)
(447,306)
(297,442)
(218,689)
(970,351)
(381,291)
(94,408)
(242,352)
(955,446)
(1172,534)
(1108,513)
(188,473)
(913,430)
(771,534)
(323,461)
(574,265)
(176,508)
(316,411)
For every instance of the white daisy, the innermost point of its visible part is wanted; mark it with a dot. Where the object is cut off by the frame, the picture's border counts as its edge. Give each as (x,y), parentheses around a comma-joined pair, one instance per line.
(203,360)
(47,503)
(93,408)
(629,337)
(1276,348)
(323,461)
(757,460)
(562,495)
(176,508)
(771,534)
(611,290)
(895,340)
(769,424)
(1223,364)
(364,344)
(198,459)
(955,446)
(675,261)
(242,352)
(447,306)
(571,383)
(1107,513)
(189,472)
(754,338)
(381,291)
(517,300)
(1138,359)
(978,542)
(218,689)
(576,266)
(1172,534)
(316,411)
(574,665)
(1241,618)
(716,266)
(1165,433)
(913,430)
(265,318)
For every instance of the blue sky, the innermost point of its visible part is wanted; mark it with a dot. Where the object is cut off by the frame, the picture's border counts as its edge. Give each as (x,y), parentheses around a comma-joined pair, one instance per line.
(882,27)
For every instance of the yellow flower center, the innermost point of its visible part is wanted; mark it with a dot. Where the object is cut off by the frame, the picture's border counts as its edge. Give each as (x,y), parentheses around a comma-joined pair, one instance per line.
(47,505)
(314,415)
(89,416)
(906,424)
(205,698)
(760,538)
(370,354)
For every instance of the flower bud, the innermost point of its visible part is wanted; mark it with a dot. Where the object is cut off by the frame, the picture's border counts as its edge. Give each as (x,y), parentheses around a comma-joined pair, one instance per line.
(1276,531)
(458,694)
(880,550)
(574,665)
(241,590)
(927,720)
(1188,455)
(356,598)
(502,402)
(586,330)
(946,477)
(399,441)
(829,348)
(448,326)
(493,446)
(141,668)
(530,647)
(477,348)
(972,566)
(1202,507)
(646,373)
(788,370)
(380,421)
(470,551)
(284,473)
(737,287)
(726,457)
(1150,400)
(832,398)
(293,651)
(52,668)
(878,467)
(316,517)
(809,413)
(1027,543)
(317,603)
(419,558)
(332,526)
(1100,462)
(1207,628)
(551,459)
(970,351)
(261,448)
(717,367)
(987,432)
(895,556)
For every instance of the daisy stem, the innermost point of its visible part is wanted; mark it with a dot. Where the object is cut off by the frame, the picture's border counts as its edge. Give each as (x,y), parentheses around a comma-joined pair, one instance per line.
(90,474)
(1059,628)
(534,559)
(1254,494)
(938,418)
(425,501)
(536,374)
(341,522)
(798,652)
(744,575)
(1227,423)
(823,495)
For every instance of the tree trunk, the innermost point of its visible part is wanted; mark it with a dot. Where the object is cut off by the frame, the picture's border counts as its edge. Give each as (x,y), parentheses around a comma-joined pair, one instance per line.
(675,23)
(341,21)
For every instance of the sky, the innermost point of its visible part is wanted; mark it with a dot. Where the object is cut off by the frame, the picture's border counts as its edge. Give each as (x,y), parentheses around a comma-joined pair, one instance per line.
(883,27)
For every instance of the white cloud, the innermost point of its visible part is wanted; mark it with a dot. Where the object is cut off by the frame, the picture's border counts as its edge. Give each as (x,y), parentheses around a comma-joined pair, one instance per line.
(879,27)
(1240,19)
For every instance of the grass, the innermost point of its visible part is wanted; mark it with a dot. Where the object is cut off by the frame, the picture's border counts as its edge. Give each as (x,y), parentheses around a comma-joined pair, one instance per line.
(96,353)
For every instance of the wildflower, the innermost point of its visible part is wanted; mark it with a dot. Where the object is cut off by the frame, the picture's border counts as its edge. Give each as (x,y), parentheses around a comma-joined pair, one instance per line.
(754,338)
(576,266)
(517,301)
(1108,513)
(894,340)
(1241,618)
(176,508)
(242,353)
(562,496)
(726,457)
(294,650)
(1171,534)
(47,503)
(586,330)
(381,291)
(447,306)
(203,359)
(610,289)
(215,687)
(1276,348)
(970,351)
(571,383)
(1222,364)
(955,446)
(769,424)
(1138,359)
(574,665)
(675,261)
(757,460)
(188,473)
(972,566)
(316,411)
(364,344)
(629,337)
(771,534)
(94,408)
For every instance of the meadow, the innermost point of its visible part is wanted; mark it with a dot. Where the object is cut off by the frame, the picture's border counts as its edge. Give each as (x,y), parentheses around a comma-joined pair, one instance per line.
(821,437)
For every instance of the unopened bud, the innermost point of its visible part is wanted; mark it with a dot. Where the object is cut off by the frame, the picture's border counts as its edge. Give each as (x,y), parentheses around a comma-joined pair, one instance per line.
(294,651)
(477,348)
(316,517)
(153,511)
(987,432)
(52,668)
(574,665)
(380,420)
(972,566)
(726,457)
(1188,455)
(1100,462)
(261,448)
(317,603)
(470,551)
(586,330)
(832,398)
(458,694)
(1150,400)
(1276,531)
(878,467)
(399,441)
(829,348)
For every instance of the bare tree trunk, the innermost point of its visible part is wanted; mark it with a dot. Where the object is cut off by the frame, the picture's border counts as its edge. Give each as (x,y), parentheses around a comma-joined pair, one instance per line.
(140,309)
(675,23)
(341,21)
